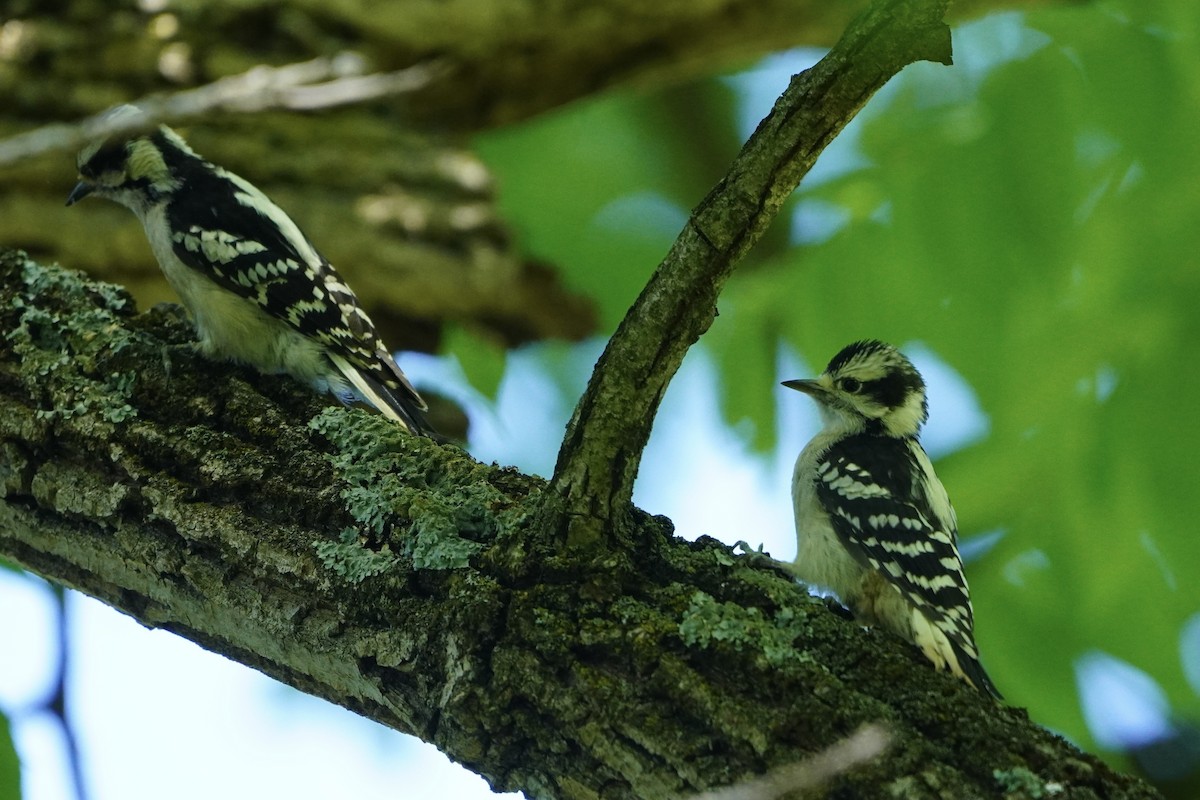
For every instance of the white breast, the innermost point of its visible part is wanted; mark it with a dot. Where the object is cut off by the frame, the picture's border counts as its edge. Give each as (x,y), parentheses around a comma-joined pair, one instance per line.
(821,559)
(231,326)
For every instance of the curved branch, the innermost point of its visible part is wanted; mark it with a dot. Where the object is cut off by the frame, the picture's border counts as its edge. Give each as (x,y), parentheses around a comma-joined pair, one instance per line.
(593,480)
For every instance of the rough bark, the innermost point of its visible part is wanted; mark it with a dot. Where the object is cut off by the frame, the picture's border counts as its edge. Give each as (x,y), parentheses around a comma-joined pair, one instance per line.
(413,585)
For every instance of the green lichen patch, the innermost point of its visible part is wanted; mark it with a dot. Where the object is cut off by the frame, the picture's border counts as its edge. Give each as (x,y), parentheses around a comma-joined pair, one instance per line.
(67,358)
(1020,782)
(403,491)
(351,559)
(708,622)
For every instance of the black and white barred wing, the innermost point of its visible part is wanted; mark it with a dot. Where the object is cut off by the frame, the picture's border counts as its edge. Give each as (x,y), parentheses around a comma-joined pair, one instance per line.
(890,511)
(229,230)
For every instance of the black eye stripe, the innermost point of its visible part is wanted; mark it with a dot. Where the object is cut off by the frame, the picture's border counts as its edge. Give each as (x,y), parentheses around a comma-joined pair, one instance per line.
(893,388)
(109,158)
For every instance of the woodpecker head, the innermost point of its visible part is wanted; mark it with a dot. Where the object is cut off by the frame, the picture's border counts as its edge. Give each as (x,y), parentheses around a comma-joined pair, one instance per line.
(134,169)
(869,385)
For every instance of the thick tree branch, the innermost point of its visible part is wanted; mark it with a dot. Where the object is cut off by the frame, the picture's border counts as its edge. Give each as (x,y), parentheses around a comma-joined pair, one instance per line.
(409,583)
(611,425)
(310,85)
(507,59)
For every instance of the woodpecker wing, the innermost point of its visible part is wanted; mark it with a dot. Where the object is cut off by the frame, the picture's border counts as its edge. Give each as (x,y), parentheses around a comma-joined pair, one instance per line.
(874,490)
(230,231)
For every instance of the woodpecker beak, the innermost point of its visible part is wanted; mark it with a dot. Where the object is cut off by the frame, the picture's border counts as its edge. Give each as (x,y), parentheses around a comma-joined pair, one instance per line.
(809,387)
(81,190)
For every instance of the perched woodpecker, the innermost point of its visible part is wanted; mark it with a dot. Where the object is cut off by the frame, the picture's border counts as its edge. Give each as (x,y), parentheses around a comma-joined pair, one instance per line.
(257,290)
(874,523)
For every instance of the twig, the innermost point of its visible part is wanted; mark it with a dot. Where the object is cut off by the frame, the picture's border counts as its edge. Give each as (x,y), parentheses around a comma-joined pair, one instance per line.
(56,704)
(305,86)
(862,746)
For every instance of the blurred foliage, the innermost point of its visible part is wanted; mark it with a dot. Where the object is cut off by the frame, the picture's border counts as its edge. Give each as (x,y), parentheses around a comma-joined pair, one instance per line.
(602,187)
(482,359)
(1030,217)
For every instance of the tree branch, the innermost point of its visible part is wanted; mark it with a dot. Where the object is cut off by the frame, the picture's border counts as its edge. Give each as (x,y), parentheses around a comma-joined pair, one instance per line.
(593,480)
(310,85)
(413,585)
(508,59)
(860,747)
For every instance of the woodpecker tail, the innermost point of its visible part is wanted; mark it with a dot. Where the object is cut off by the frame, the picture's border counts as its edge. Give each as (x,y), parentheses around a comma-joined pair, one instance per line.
(946,650)
(399,402)
(973,673)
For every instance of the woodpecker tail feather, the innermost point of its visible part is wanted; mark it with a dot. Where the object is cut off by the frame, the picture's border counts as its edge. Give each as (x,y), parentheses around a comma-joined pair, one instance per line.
(945,649)
(401,404)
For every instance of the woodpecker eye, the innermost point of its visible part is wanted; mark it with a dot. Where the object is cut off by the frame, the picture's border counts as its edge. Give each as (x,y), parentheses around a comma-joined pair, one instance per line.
(851,385)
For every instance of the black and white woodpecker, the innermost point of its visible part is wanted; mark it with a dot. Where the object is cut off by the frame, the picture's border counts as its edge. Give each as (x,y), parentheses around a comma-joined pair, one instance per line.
(257,290)
(873,522)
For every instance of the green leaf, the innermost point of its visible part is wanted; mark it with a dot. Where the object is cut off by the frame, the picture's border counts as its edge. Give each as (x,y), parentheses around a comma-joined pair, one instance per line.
(572,181)
(482,360)
(10,765)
